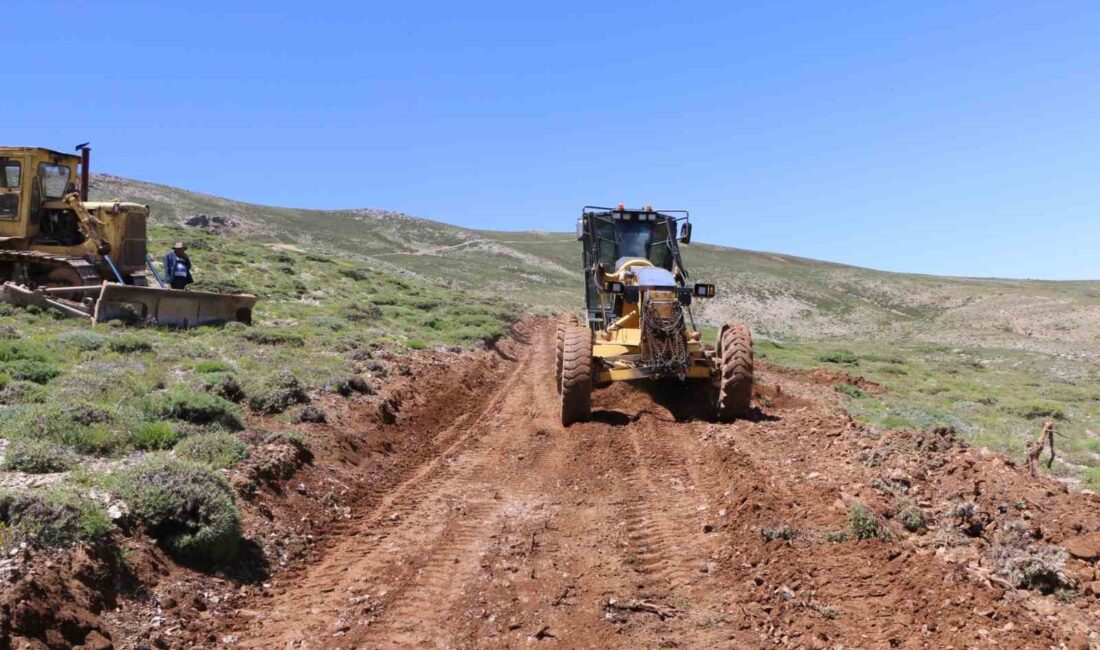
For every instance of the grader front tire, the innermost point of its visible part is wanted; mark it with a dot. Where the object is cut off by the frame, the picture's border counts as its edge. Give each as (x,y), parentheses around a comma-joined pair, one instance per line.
(576,376)
(735,378)
(563,324)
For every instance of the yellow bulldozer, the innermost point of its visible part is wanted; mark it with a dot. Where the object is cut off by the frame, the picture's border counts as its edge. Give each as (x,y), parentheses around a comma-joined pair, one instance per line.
(638,321)
(88,259)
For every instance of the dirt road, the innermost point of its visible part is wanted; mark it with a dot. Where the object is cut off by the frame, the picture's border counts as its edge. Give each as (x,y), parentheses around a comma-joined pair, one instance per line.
(652,527)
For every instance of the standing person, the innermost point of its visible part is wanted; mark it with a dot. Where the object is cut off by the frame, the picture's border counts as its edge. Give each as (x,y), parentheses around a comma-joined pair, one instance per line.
(177,266)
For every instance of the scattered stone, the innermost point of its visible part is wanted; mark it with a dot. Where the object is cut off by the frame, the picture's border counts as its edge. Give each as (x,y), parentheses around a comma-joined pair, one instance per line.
(1084,547)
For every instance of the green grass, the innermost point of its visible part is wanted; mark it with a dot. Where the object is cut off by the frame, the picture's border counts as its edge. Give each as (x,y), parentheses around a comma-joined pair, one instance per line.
(997,398)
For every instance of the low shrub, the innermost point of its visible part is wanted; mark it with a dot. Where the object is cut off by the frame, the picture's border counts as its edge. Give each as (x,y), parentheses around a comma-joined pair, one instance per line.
(416,344)
(353,384)
(195,407)
(38,457)
(1040,411)
(850,390)
(845,357)
(361,312)
(22,351)
(865,524)
(22,392)
(82,340)
(96,439)
(223,385)
(311,414)
(53,518)
(38,372)
(1027,563)
(212,366)
(358,275)
(329,322)
(782,531)
(271,336)
(153,436)
(220,450)
(188,507)
(130,345)
(911,516)
(277,395)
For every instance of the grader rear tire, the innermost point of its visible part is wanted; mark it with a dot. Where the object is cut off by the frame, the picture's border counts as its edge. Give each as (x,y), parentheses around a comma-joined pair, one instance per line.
(564,323)
(735,378)
(576,375)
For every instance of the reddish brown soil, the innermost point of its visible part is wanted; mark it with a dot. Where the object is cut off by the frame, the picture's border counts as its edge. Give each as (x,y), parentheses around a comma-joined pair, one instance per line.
(644,528)
(476,520)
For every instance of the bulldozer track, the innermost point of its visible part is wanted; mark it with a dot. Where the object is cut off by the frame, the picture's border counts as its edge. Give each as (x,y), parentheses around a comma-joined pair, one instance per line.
(84,269)
(639,528)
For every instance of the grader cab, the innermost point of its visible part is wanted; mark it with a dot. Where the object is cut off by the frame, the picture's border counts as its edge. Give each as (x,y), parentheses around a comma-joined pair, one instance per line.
(638,321)
(60,250)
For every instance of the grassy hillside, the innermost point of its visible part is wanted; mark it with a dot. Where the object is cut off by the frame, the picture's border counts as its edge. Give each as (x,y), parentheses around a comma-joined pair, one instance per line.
(992,358)
(779,295)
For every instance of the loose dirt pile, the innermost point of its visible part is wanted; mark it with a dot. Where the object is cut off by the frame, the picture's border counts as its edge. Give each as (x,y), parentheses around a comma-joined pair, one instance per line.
(475,520)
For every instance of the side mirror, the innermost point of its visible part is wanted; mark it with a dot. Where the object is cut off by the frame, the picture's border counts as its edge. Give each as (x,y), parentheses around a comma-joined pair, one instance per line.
(685,233)
(580,229)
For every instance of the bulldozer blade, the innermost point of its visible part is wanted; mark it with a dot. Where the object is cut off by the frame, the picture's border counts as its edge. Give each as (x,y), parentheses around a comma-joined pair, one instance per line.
(172,307)
(24,297)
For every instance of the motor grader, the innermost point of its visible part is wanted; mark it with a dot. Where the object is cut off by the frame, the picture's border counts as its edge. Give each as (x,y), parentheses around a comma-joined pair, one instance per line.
(87,258)
(638,320)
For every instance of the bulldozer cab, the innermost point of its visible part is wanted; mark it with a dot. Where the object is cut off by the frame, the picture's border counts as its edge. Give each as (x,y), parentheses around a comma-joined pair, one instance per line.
(29,179)
(613,237)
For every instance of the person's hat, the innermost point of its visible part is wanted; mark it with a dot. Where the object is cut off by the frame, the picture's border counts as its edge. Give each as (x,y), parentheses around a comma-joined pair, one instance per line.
(179,245)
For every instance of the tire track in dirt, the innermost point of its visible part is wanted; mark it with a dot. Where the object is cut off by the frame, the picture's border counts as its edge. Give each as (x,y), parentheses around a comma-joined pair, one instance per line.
(646,527)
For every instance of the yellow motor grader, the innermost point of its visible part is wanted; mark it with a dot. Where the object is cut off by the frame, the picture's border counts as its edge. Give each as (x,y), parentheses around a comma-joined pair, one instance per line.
(84,258)
(639,324)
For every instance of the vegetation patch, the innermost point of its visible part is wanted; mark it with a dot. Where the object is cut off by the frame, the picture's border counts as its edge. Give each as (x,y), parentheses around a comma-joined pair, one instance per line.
(277,395)
(154,436)
(38,457)
(272,336)
(213,366)
(782,530)
(1029,564)
(84,340)
(844,357)
(129,345)
(224,385)
(850,390)
(51,518)
(864,523)
(220,450)
(195,407)
(188,507)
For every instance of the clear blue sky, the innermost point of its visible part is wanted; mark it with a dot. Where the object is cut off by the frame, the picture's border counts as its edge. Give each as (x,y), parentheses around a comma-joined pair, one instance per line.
(937,137)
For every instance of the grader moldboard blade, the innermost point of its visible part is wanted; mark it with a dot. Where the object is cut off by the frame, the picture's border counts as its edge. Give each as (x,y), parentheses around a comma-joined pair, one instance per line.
(172,307)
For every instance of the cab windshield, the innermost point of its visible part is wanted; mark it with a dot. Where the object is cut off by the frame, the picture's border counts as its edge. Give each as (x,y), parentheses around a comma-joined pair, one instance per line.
(54,179)
(642,239)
